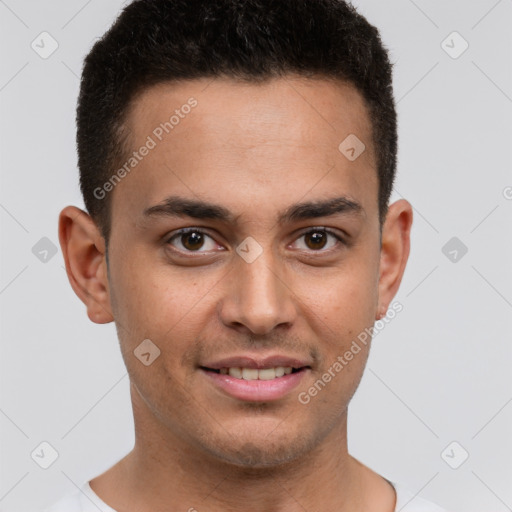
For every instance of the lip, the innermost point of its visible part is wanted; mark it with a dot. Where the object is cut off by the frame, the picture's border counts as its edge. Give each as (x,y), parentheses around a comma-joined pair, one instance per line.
(256,390)
(259,363)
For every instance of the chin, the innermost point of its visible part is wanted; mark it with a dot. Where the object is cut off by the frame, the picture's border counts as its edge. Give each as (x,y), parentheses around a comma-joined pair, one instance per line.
(253,457)
(261,451)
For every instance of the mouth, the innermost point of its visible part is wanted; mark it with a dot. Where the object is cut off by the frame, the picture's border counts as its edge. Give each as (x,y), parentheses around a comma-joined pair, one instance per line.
(249,374)
(255,384)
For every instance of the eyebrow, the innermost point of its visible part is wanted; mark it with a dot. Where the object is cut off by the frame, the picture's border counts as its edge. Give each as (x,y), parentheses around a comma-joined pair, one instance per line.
(175,206)
(321,208)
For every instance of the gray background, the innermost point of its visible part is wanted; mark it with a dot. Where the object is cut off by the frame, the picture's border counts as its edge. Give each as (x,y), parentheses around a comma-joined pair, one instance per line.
(438,373)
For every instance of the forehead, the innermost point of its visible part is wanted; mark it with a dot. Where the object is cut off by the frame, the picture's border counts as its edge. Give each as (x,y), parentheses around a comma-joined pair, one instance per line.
(221,137)
(291,102)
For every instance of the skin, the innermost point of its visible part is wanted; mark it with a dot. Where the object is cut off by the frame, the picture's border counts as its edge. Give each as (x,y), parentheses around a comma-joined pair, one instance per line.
(256,150)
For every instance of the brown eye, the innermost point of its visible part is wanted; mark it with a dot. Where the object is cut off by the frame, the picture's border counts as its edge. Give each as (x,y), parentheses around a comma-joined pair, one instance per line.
(192,241)
(316,239)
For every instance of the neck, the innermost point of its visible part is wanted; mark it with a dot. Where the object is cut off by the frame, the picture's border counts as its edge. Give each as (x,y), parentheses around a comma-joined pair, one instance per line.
(165,472)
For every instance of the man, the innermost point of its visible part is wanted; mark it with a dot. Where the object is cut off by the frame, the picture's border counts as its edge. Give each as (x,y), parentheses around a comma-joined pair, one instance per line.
(236,159)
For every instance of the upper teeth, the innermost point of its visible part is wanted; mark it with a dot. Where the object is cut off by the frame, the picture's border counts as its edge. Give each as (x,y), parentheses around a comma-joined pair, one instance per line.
(255,374)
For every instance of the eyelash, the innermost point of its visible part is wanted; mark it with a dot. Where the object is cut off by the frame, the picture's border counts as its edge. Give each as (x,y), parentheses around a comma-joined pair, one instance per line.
(184,231)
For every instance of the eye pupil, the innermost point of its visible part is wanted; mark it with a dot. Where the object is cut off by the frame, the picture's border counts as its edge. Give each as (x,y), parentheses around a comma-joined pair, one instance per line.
(316,239)
(193,240)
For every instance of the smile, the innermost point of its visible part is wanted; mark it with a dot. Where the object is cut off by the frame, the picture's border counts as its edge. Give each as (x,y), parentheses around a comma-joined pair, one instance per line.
(254,373)
(256,385)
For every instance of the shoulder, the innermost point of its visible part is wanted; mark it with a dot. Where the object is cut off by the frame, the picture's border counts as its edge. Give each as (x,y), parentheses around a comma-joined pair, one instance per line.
(407,501)
(82,500)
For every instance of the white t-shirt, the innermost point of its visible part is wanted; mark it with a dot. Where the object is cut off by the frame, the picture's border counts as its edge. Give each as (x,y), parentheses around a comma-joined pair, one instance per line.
(86,500)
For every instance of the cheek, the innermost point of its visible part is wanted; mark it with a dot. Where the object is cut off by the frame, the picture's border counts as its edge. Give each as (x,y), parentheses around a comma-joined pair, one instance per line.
(162,304)
(345,299)
(340,309)
(139,286)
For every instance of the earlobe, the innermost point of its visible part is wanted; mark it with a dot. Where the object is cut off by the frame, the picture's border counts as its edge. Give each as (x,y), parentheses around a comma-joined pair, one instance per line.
(83,249)
(394,252)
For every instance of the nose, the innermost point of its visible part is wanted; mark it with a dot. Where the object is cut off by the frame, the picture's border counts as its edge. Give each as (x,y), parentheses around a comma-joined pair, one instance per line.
(257,298)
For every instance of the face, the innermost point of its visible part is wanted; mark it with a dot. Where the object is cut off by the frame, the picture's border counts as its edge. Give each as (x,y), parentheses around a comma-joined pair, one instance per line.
(246,239)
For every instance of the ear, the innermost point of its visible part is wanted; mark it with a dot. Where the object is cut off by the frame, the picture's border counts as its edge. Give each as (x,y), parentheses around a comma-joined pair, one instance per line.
(83,248)
(394,252)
